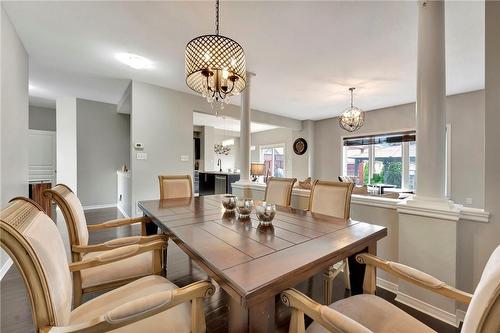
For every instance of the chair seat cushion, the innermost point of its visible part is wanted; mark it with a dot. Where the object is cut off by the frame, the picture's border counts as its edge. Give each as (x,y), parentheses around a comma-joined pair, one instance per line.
(133,267)
(176,319)
(376,314)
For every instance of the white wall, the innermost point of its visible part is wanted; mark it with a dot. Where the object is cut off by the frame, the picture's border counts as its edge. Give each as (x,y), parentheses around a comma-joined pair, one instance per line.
(103,144)
(465,113)
(66,142)
(295,165)
(161,119)
(13,118)
(230,161)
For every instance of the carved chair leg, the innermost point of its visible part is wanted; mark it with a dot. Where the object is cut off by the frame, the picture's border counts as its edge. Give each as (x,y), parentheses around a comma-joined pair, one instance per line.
(198,324)
(77,290)
(347,279)
(328,277)
(297,324)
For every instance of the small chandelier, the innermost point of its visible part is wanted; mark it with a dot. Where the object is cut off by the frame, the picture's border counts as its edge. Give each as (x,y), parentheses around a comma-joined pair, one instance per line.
(353,118)
(215,66)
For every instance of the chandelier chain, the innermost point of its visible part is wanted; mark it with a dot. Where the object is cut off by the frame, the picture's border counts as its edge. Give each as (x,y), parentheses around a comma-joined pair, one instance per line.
(217,17)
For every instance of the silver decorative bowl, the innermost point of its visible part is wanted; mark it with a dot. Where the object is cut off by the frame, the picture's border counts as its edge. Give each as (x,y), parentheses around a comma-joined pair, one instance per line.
(229,202)
(244,207)
(265,213)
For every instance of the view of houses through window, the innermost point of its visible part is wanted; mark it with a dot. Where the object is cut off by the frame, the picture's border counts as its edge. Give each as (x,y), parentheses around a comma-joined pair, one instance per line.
(388,159)
(273,158)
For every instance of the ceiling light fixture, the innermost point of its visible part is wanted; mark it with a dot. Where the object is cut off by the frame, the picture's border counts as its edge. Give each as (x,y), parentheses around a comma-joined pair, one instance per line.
(133,60)
(215,66)
(353,118)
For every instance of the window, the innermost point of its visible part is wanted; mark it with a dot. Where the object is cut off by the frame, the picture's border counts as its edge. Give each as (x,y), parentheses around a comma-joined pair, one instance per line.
(382,159)
(273,158)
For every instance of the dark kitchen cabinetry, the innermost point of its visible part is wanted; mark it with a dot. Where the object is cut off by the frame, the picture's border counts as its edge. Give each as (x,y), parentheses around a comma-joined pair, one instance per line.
(216,182)
(207,183)
(197,148)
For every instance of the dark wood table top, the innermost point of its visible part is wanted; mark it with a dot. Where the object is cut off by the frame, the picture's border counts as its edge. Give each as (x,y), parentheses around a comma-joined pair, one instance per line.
(253,263)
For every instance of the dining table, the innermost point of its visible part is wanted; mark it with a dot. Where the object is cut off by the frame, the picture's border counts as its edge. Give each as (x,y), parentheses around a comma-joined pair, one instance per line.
(255,263)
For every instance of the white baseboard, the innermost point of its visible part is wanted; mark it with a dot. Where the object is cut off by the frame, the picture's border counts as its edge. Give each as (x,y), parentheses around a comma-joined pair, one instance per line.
(460,316)
(427,308)
(390,286)
(431,310)
(122,211)
(5,268)
(99,206)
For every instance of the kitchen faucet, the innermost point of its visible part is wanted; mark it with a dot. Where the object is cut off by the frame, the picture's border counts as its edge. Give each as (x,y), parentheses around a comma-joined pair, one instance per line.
(219,164)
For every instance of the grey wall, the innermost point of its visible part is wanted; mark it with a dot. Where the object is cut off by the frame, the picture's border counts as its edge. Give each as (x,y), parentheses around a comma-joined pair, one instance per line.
(103,146)
(14,117)
(42,119)
(465,113)
(161,119)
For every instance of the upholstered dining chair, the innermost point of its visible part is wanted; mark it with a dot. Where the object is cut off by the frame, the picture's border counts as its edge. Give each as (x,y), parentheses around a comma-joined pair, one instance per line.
(173,187)
(279,191)
(115,274)
(149,304)
(370,313)
(332,199)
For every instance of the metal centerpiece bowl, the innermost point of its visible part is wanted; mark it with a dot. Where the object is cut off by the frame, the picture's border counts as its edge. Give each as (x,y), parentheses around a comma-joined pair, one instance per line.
(265,213)
(244,207)
(229,202)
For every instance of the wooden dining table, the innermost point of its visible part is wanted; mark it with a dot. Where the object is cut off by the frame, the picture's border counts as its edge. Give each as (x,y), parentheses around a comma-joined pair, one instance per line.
(252,263)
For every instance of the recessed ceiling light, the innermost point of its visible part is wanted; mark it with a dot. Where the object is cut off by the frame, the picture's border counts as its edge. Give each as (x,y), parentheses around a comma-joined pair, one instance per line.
(133,60)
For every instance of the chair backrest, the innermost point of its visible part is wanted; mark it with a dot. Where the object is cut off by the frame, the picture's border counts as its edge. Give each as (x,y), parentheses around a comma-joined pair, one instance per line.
(483,314)
(33,242)
(331,198)
(72,210)
(173,187)
(279,191)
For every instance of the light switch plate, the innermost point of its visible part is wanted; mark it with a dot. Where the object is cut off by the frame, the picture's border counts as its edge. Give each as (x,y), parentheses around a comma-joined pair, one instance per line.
(184,158)
(141,156)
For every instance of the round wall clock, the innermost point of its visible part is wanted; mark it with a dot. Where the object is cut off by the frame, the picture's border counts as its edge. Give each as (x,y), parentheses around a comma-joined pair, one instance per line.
(300,146)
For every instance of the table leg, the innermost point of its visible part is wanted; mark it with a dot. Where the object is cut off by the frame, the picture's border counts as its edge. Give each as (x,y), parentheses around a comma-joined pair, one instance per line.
(151,228)
(257,318)
(357,270)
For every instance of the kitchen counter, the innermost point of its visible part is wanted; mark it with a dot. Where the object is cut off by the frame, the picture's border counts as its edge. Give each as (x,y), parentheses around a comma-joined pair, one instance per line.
(220,172)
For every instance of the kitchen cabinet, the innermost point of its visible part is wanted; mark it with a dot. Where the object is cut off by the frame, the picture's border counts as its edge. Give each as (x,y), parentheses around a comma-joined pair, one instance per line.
(216,182)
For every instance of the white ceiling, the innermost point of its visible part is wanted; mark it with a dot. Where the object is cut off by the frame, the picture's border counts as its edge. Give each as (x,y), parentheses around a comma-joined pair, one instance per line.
(305,54)
(227,123)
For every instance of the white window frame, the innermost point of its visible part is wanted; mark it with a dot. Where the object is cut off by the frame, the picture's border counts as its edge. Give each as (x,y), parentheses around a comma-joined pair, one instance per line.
(405,173)
(275,145)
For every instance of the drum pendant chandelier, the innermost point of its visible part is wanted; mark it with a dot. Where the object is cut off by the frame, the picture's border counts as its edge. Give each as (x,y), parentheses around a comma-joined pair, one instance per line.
(353,118)
(215,66)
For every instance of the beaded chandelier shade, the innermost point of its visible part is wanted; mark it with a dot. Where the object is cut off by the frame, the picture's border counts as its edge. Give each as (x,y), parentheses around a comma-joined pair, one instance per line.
(353,118)
(215,66)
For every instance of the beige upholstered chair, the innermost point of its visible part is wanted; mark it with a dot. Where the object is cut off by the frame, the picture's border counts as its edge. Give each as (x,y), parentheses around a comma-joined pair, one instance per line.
(369,313)
(173,187)
(279,191)
(150,304)
(115,274)
(332,199)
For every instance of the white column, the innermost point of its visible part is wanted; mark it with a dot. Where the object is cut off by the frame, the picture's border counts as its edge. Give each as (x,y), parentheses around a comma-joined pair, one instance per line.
(431,92)
(427,233)
(245,121)
(66,142)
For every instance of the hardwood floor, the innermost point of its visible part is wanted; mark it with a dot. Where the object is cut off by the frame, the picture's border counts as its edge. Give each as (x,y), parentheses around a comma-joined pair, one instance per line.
(16,310)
